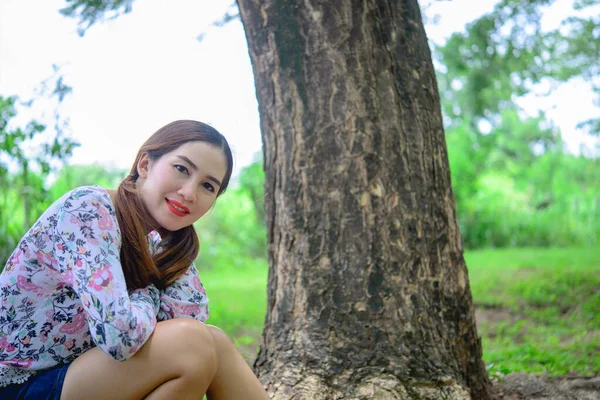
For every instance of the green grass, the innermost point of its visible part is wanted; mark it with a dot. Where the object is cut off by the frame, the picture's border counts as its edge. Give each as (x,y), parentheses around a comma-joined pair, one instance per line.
(538,309)
(237,304)
(549,301)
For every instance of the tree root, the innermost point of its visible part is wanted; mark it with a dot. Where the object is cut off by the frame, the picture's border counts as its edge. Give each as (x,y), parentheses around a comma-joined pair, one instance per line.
(375,388)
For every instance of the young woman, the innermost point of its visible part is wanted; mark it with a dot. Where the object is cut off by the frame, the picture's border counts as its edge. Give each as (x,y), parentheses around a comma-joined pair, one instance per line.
(101,299)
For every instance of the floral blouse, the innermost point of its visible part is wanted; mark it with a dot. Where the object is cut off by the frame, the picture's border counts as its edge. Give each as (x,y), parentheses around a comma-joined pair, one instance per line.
(63,291)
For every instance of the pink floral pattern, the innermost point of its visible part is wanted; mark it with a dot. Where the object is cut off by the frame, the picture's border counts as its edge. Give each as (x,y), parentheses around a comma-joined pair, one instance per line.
(63,292)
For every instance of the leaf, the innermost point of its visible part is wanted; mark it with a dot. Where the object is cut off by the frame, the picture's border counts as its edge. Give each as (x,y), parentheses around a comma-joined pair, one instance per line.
(11,314)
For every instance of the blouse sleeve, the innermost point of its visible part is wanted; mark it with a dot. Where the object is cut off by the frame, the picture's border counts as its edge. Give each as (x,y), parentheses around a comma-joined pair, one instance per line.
(185,298)
(87,242)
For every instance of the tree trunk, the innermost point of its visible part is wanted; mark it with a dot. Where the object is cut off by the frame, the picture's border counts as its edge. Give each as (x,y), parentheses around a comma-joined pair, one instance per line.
(368,292)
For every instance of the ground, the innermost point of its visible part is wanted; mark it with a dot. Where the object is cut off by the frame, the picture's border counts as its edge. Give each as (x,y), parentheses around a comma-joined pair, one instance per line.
(505,387)
(534,387)
(531,387)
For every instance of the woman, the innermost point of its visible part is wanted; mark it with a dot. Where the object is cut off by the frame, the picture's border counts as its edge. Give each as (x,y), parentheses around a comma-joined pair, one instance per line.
(101,299)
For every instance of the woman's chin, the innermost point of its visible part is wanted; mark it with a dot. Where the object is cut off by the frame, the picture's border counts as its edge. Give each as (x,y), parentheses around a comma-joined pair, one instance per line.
(169,226)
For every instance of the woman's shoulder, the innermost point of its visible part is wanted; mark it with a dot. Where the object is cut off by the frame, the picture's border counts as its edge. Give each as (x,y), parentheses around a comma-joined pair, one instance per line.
(82,199)
(84,206)
(95,192)
(87,193)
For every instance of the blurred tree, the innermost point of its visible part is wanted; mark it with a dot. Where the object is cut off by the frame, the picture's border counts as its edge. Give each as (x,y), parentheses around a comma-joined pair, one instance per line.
(92,11)
(72,176)
(27,156)
(235,228)
(509,52)
(252,180)
(482,73)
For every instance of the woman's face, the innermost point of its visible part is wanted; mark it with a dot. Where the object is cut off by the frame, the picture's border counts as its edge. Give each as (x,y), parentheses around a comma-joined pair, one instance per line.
(181,186)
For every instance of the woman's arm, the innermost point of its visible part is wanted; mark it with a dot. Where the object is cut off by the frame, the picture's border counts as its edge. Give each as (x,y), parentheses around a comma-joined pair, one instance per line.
(185,298)
(87,244)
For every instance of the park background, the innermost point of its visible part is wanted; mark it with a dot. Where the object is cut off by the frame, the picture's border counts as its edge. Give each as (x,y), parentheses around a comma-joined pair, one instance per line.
(518,84)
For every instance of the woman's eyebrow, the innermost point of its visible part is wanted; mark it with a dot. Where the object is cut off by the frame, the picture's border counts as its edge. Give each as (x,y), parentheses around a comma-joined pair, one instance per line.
(187,160)
(195,168)
(215,180)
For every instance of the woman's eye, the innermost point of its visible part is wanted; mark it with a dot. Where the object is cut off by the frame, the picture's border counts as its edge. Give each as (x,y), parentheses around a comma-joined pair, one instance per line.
(181,169)
(209,187)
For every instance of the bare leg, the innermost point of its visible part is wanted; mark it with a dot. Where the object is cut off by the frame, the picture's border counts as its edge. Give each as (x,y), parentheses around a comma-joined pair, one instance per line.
(234,378)
(180,356)
(183,359)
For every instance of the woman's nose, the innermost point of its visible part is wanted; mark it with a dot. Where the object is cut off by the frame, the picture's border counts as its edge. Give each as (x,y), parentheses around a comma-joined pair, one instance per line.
(188,193)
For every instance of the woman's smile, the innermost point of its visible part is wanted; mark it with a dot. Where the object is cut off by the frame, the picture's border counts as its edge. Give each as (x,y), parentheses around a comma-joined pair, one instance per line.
(177,208)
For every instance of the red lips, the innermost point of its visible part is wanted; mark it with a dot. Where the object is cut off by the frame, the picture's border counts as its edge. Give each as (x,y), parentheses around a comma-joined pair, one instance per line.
(172,204)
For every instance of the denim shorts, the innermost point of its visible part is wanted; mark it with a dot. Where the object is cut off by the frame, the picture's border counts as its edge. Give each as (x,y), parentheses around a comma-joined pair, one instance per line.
(45,385)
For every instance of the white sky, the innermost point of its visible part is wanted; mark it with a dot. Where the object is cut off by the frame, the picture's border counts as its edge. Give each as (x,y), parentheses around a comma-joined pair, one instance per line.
(134,74)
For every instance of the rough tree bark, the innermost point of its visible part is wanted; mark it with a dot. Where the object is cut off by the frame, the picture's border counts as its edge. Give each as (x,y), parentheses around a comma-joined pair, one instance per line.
(368,293)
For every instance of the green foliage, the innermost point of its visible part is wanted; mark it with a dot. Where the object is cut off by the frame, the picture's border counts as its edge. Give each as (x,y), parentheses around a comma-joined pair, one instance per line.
(504,54)
(233,233)
(91,11)
(516,187)
(28,154)
(72,176)
(252,181)
(513,182)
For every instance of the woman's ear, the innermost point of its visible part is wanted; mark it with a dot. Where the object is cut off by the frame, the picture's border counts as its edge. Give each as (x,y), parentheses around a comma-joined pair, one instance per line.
(143,166)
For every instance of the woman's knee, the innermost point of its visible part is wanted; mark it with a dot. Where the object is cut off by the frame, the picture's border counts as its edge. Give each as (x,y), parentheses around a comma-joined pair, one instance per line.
(217,333)
(189,343)
(223,343)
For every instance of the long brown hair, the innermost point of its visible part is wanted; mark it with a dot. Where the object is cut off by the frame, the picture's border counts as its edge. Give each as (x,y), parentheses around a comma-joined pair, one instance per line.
(179,248)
